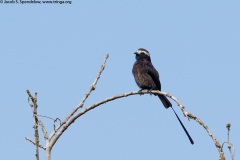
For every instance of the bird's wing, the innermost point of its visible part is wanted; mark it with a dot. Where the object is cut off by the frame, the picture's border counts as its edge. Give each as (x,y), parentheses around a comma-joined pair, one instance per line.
(153,73)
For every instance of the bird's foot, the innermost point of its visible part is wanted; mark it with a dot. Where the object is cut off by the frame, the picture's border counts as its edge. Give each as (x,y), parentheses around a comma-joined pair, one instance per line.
(150,91)
(140,91)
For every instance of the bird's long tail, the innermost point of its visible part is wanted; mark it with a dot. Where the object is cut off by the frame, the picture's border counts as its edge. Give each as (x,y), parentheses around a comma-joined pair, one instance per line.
(168,104)
(189,137)
(165,101)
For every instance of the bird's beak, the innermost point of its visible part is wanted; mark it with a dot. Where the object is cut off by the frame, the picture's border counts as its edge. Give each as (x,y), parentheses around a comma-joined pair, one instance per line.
(135,52)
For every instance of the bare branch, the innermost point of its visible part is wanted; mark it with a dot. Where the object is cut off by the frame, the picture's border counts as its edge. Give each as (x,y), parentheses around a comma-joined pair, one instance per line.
(40,146)
(191,116)
(55,120)
(59,130)
(43,130)
(36,135)
(48,150)
(92,87)
(29,95)
(185,113)
(229,144)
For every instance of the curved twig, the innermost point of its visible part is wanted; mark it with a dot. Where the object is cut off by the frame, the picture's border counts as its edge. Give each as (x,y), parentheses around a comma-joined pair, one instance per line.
(59,130)
(185,113)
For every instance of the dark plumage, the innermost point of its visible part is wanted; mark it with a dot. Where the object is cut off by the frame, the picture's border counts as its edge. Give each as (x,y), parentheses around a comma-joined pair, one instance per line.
(146,76)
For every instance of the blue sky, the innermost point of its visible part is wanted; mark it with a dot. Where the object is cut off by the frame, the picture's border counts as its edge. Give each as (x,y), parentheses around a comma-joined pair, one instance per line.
(57,51)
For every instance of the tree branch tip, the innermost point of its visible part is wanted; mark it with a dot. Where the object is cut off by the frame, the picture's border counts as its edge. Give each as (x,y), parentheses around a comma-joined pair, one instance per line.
(27,138)
(29,94)
(228,126)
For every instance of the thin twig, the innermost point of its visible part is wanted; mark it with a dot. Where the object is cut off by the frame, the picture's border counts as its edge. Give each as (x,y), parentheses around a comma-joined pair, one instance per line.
(55,120)
(186,114)
(48,151)
(40,146)
(43,130)
(229,144)
(92,87)
(54,126)
(46,117)
(36,135)
(29,95)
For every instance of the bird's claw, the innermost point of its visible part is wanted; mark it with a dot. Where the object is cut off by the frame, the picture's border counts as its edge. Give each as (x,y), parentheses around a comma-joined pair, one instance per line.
(140,91)
(150,91)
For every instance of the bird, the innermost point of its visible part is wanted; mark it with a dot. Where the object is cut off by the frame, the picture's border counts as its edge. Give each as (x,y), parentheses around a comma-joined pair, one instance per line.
(147,77)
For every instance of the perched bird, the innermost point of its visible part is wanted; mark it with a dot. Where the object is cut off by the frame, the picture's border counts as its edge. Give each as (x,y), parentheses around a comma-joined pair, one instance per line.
(147,77)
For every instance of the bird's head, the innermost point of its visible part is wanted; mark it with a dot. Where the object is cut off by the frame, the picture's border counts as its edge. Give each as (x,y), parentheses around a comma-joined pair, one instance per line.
(142,51)
(141,54)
